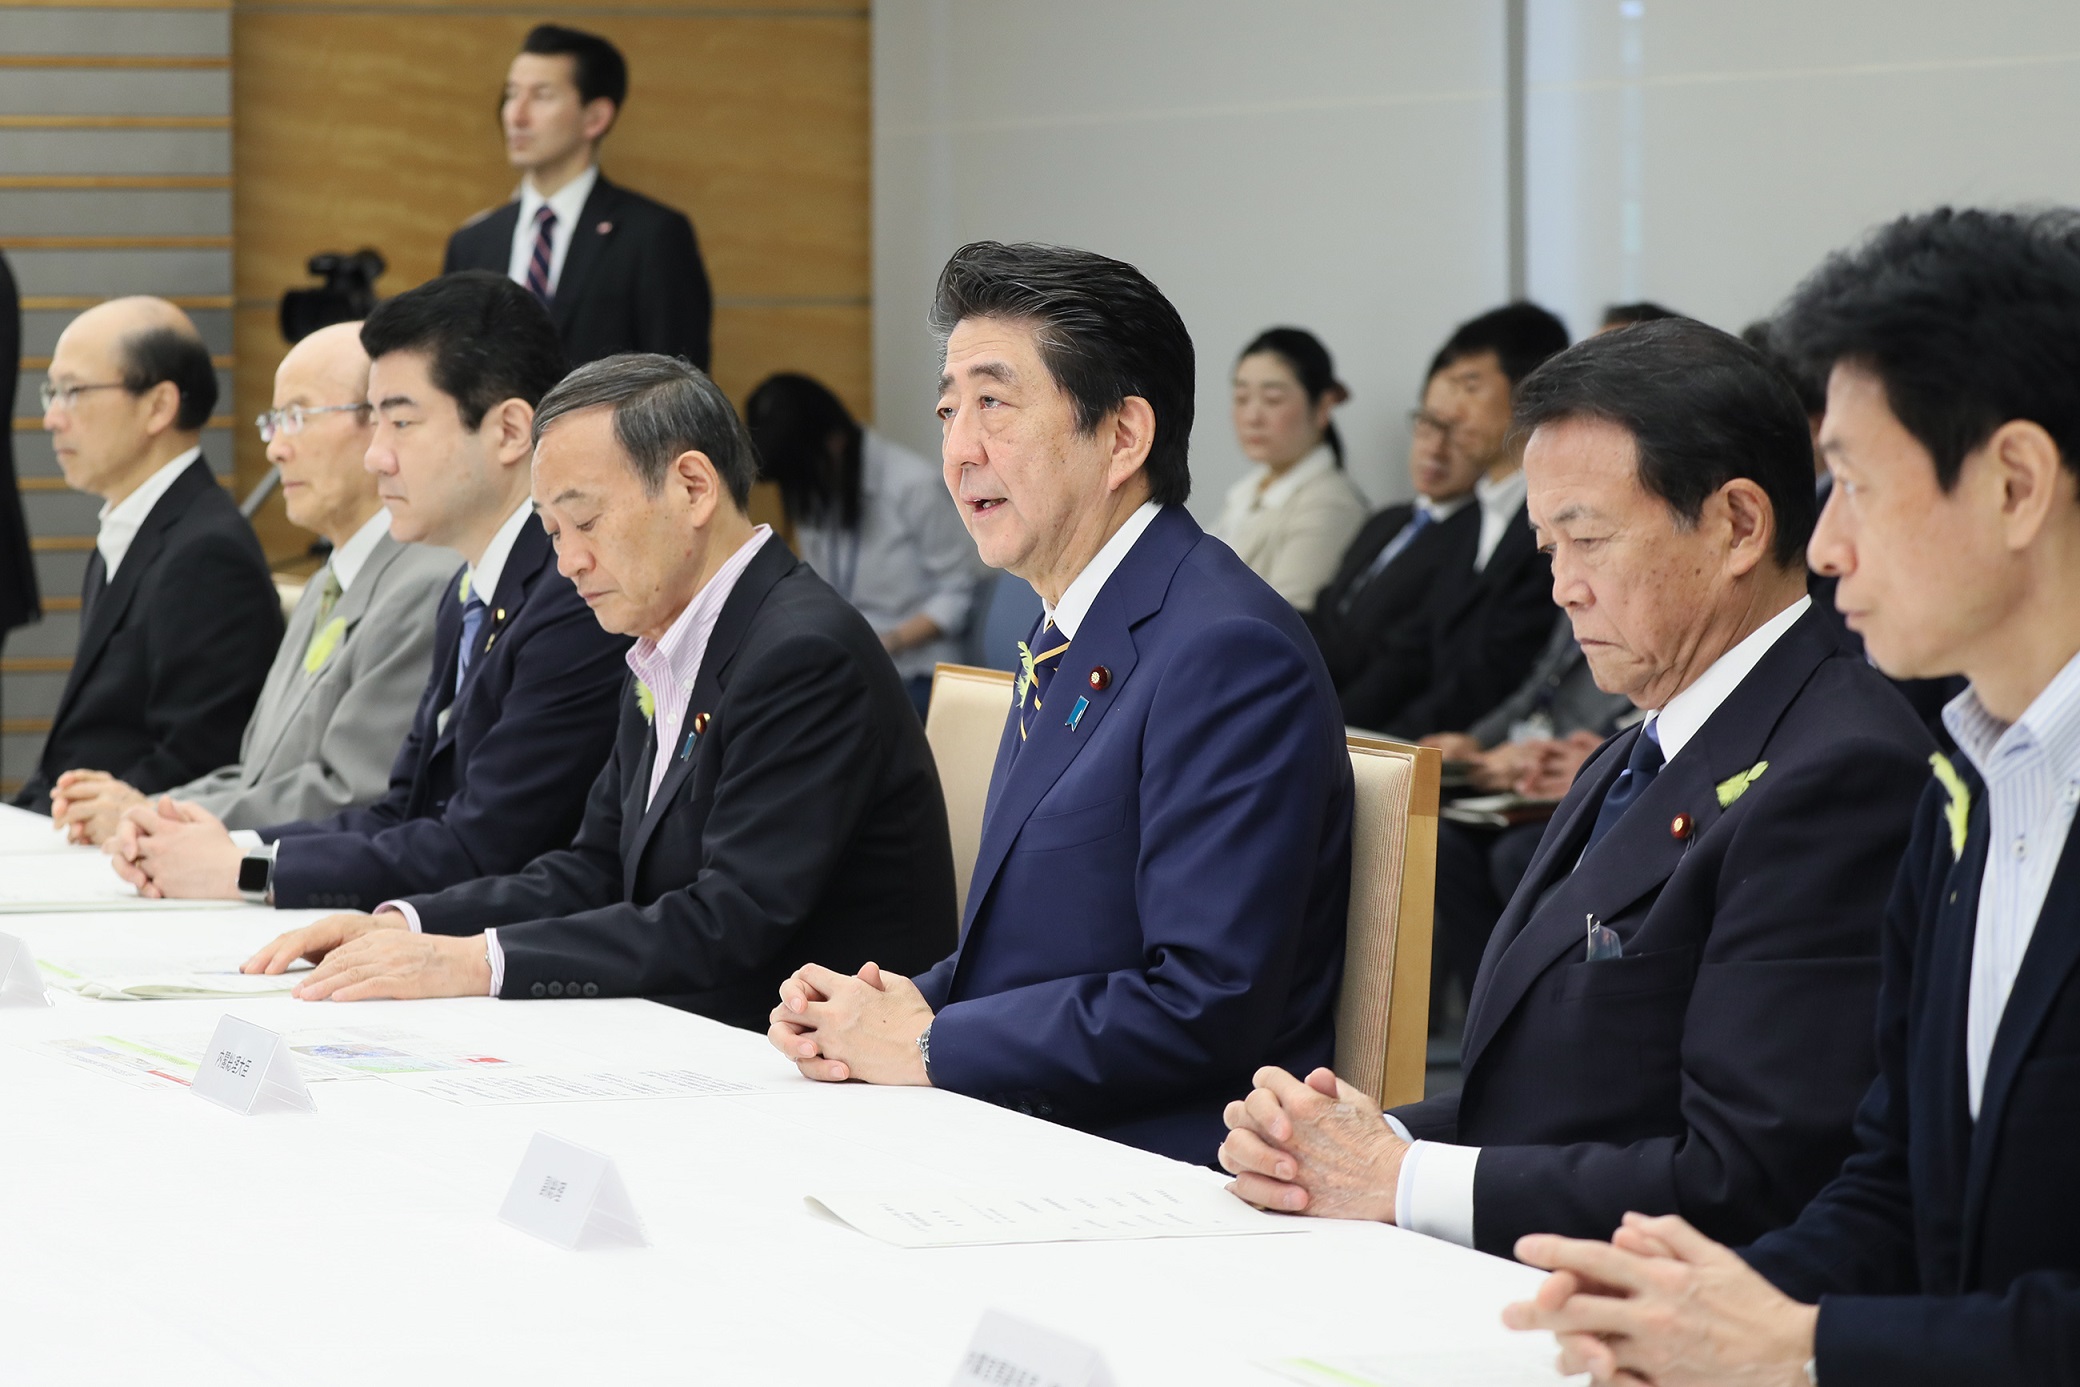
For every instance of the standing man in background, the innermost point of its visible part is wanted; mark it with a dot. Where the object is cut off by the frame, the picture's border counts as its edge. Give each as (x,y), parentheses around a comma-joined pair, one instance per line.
(178,616)
(617,272)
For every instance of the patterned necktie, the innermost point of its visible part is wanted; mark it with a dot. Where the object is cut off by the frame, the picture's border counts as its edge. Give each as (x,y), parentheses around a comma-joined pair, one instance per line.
(1392,550)
(95,583)
(472,626)
(1641,767)
(1039,671)
(328,598)
(538,259)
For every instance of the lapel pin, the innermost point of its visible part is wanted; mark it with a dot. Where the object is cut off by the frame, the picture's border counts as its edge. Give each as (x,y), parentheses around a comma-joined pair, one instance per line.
(606,228)
(501,616)
(1101,679)
(1076,713)
(1680,826)
(687,750)
(700,723)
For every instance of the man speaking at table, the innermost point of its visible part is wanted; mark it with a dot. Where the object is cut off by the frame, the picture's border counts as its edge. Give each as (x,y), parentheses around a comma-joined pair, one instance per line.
(1674,1011)
(771,798)
(1158,903)
(518,712)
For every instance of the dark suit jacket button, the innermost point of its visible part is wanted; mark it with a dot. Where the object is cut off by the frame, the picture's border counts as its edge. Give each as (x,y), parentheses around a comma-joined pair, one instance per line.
(538,990)
(592,989)
(555,989)
(570,989)
(1047,1110)
(1026,1108)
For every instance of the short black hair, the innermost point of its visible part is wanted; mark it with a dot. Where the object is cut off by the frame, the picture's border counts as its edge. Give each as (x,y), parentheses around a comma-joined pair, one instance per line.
(1311,365)
(1703,408)
(1521,335)
(161,354)
(1644,311)
(663,406)
(792,419)
(1104,331)
(1970,318)
(490,340)
(599,68)
(1804,382)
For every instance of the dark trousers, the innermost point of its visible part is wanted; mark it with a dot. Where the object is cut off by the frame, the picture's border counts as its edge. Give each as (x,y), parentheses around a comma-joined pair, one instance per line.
(1477,872)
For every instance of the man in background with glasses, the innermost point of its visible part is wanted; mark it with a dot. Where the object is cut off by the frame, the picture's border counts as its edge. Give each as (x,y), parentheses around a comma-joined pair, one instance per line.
(347,677)
(178,617)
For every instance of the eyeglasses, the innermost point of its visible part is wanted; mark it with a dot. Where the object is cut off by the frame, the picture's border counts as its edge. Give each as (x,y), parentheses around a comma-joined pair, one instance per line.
(289,422)
(66,396)
(1422,422)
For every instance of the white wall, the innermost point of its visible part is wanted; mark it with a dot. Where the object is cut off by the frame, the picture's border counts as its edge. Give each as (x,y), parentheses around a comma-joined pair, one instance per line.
(1332,164)
(1756,137)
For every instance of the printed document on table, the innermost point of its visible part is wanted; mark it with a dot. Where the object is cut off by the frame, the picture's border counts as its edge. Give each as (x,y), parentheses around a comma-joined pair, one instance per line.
(480,1089)
(152,1061)
(351,1052)
(968,1218)
(40,883)
(148,980)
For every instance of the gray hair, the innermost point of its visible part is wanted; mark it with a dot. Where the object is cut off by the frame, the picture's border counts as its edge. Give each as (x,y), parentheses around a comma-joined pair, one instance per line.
(663,406)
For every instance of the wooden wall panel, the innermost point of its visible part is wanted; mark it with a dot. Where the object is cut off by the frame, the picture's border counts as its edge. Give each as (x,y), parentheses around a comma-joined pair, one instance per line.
(357,128)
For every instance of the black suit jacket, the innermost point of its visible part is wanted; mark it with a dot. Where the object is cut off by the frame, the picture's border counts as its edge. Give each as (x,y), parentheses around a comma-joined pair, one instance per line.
(172,653)
(1353,641)
(18,600)
(1472,643)
(632,280)
(805,825)
(489,778)
(1948,1250)
(1713,1071)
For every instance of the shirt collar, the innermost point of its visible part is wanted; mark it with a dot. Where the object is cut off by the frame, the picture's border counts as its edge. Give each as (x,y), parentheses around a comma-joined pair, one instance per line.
(1679,719)
(1083,589)
(2050,723)
(685,641)
(485,573)
(1274,494)
(121,522)
(350,558)
(1501,498)
(1444,510)
(566,202)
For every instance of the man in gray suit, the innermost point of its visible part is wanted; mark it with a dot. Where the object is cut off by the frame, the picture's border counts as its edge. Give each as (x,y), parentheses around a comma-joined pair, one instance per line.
(347,678)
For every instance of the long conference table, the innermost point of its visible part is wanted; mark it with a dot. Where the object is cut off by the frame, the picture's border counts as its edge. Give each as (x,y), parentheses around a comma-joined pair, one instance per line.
(149,1236)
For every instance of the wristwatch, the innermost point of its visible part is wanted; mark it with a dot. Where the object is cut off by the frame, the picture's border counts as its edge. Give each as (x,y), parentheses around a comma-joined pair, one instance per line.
(256,875)
(924,1050)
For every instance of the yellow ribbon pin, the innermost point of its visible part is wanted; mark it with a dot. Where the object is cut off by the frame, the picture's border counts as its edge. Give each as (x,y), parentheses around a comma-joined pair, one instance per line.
(1959,810)
(1027,674)
(323,644)
(647,701)
(1734,786)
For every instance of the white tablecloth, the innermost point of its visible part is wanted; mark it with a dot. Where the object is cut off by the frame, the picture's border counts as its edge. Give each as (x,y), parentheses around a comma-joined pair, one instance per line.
(147,1236)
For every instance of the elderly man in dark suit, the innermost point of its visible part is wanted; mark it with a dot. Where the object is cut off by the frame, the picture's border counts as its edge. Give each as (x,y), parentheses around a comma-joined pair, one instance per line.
(518,712)
(617,271)
(770,798)
(1948,1248)
(1158,904)
(178,617)
(1673,1013)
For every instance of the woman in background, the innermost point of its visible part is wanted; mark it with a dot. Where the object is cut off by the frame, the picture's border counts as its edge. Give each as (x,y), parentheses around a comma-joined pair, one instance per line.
(873,519)
(1293,515)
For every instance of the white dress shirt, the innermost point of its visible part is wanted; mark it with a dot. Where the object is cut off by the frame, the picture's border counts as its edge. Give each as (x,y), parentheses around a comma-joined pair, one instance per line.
(670,668)
(350,558)
(1500,501)
(568,203)
(121,522)
(486,571)
(2032,772)
(1083,589)
(1434,1195)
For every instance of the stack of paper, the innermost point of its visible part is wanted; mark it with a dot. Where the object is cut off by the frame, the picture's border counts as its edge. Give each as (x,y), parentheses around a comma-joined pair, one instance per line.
(152,980)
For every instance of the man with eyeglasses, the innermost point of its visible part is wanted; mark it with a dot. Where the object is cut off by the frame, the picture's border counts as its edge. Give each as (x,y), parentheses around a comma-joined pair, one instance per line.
(178,617)
(339,700)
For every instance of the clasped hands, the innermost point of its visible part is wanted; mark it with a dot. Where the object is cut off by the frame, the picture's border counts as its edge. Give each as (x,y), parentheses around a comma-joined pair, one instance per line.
(864,1026)
(89,805)
(1541,768)
(363,957)
(1320,1147)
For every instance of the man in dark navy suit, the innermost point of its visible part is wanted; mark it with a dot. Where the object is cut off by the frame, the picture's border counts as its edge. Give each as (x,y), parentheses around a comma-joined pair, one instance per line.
(617,271)
(518,714)
(1948,1248)
(1158,903)
(770,799)
(1673,1013)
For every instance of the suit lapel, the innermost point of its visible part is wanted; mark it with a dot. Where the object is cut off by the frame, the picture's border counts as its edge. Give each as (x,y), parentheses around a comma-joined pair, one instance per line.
(530,555)
(772,563)
(588,243)
(116,597)
(281,703)
(1025,773)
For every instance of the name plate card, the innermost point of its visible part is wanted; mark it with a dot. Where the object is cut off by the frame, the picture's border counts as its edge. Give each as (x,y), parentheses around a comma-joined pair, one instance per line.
(1010,1352)
(568,1194)
(250,1069)
(21,984)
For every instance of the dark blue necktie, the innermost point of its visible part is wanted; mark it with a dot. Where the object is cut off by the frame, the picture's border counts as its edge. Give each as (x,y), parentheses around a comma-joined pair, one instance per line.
(1641,767)
(1393,549)
(472,627)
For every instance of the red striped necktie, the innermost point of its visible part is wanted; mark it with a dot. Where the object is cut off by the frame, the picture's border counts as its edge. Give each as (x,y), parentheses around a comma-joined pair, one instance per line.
(539,258)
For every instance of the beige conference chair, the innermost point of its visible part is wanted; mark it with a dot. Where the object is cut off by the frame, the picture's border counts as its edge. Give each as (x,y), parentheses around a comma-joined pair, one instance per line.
(1383,1015)
(964,725)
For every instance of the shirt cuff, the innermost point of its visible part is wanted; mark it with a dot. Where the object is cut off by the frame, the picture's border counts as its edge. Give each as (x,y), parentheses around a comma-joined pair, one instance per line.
(411,916)
(495,955)
(246,839)
(1435,1193)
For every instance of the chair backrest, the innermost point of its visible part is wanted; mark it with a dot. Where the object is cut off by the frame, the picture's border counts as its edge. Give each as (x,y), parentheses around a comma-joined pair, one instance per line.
(1006,611)
(1383,1014)
(965,724)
